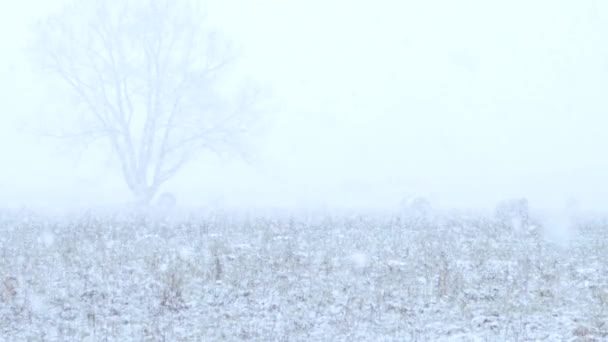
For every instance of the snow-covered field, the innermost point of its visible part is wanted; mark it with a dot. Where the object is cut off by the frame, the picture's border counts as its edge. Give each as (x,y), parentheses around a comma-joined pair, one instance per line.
(299,278)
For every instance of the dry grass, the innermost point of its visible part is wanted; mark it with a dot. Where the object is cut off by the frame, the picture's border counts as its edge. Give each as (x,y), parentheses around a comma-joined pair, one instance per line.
(220,277)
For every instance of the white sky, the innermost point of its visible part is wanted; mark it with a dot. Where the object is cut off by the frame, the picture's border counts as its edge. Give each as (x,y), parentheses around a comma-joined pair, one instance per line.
(464,101)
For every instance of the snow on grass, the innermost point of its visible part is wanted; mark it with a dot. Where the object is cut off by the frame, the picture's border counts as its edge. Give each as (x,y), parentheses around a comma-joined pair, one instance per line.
(343,278)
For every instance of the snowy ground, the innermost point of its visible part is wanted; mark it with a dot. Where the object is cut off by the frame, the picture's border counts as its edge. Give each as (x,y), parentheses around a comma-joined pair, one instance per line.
(305,278)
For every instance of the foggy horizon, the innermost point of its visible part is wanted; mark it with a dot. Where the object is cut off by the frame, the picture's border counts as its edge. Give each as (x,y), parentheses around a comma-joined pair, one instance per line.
(466,104)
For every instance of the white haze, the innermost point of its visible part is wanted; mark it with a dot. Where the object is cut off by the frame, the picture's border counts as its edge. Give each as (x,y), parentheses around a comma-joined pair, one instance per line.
(466,102)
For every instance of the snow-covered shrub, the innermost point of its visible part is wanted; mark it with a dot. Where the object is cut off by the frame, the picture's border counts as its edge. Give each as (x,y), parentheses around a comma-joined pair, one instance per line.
(166,201)
(513,214)
(416,210)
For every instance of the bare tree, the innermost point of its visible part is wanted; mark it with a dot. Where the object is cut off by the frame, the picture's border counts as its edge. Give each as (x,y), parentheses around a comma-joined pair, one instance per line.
(147,77)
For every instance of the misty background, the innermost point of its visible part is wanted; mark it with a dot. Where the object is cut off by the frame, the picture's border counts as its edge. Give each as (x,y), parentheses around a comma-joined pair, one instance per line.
(466,103)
